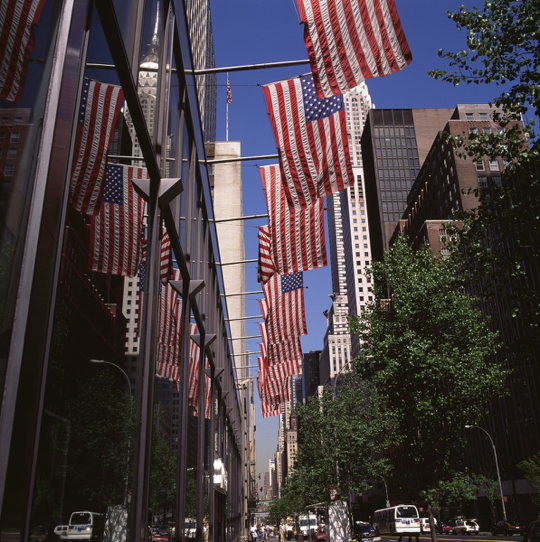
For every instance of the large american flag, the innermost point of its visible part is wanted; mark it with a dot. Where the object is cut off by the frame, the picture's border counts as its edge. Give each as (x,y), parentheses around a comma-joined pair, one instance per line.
(279,352)
(311,135)
(116,231)
(169,331)
(267,409)
(284,295)
(297,241)
(265,268)
(349,41)
(98,113)
(17,21)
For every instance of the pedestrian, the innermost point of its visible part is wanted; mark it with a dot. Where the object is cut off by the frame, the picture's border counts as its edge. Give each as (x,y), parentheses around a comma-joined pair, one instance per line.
(282,531)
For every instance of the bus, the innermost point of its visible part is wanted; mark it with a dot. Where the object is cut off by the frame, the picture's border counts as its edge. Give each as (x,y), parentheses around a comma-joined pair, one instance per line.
(400,519)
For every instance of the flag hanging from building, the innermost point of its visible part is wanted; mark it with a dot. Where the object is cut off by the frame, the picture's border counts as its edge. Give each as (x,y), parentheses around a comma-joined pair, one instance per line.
(116,231)
(275,387)
(265,268)
(311,136)
(229,95)
(267,409)
(165,259)
(349,41)
(284,295)
(193,380)
(297,241)
(98,113)
(17,21)
(283,351)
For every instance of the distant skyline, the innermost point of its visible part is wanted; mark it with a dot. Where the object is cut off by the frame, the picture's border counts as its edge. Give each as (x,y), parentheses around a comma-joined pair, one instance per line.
(256,31)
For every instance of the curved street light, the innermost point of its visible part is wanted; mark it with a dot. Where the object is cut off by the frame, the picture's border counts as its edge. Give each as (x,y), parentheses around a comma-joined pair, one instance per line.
(118,367)
(496,464)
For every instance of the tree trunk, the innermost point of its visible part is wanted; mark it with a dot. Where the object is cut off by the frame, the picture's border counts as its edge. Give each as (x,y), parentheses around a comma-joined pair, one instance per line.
(432,524)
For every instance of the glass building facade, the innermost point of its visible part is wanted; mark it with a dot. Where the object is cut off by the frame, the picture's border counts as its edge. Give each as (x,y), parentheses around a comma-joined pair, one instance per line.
(80,428)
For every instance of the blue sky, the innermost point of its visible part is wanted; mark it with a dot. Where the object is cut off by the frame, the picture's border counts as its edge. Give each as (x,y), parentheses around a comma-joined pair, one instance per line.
(256,31)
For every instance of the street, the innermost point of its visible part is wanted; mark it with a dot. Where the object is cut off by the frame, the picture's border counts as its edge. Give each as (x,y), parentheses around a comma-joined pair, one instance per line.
(481,537)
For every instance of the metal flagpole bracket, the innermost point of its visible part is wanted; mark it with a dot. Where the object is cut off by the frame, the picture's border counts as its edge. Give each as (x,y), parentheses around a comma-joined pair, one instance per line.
(218,373)
(169,189)
(195,286)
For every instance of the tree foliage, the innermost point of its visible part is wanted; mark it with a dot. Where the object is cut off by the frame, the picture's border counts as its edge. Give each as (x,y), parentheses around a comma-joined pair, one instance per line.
(430,356)
(340,437)
(500,238)
(531,470)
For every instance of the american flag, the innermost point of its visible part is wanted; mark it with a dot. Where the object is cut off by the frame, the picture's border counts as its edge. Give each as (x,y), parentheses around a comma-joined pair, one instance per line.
(265,268)
(267,409)
(349,41)
(17,21)
(275,387)
(169,326)
(229,95)
(311,135)
(279,352)
(116,231)
(297,237)
(98,113)
(165,260)
(193,378)
(284,296)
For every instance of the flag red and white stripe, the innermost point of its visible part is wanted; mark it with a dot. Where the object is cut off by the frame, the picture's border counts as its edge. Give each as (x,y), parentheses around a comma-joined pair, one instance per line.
(193,380)
(275,387)
(311,136)
(297,240)
(286,312)
(279,352)
(169,330)
(267,409)
(165,260)
(116,231)
(265,268)
(98,113)
(17,21)
(349,41)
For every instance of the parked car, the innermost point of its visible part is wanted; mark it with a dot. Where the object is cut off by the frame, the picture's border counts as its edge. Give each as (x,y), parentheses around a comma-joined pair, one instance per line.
(445,527)
(365,532)
(59,531)
(424,525)
(532,534)
(466,526)
(321,533)
(508,528)
(161,535)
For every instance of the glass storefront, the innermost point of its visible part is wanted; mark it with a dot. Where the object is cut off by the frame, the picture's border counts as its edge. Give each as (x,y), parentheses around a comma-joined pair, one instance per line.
(109,288)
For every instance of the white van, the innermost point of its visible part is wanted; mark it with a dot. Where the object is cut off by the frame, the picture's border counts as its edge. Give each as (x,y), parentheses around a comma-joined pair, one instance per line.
(85,525)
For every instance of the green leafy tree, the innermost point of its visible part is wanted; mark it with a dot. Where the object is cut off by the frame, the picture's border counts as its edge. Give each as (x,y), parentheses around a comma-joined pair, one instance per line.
(162,471)
(99,458)
(340,437)
(489,485)
(531,470)
(430,357)
(500,238)
(289,504)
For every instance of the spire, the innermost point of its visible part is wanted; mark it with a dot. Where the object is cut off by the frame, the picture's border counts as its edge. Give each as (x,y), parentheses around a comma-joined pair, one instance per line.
(155,37)
(152,56)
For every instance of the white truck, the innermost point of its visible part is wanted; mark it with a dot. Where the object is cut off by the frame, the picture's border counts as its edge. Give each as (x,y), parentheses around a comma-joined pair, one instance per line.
(84,525)
(308,522)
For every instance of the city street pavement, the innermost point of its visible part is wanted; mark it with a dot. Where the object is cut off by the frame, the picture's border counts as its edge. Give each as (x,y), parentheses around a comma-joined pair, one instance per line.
(480,537)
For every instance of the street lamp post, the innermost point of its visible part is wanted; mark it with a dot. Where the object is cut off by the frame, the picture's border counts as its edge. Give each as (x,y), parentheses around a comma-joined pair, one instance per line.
(118,367)
(496,464)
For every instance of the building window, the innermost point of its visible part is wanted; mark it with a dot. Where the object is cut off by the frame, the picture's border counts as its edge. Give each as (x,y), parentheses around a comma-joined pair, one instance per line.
(484,116)
(8,170)
(15,137)
(11,154)
(493,165)
(480,165)
(469,116)
(482,182)
(497,180)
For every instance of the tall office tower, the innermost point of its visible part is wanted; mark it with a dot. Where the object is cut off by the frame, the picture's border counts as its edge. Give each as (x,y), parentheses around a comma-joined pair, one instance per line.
(310,373)
(202,45)
(344,211)
(444,185)
(273,480)
(395,142)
